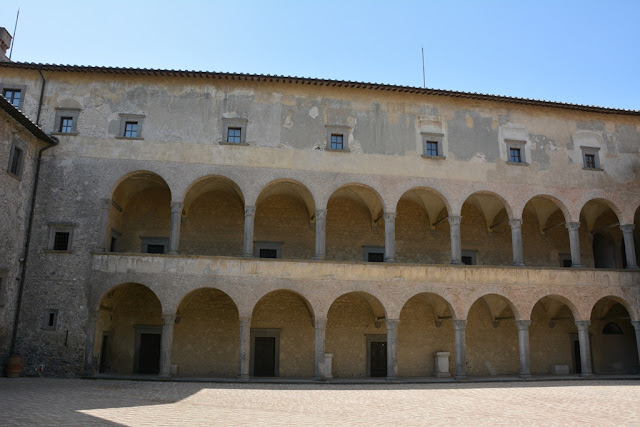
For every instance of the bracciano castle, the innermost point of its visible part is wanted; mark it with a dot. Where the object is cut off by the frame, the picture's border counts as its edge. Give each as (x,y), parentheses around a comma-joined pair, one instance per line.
(221,225)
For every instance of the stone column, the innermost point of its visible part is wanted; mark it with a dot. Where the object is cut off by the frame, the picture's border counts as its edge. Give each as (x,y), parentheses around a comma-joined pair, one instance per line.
(321,330)
(456,247)
(574,242)
(321,234)
(249,215)
(102,245)
(392,348)
(585,348)
(89,343)
(166,343)
(176,222)
(516,241)
(636,326)
(461,355)
(390,237)
(244,348)
(629,247)
(523,341)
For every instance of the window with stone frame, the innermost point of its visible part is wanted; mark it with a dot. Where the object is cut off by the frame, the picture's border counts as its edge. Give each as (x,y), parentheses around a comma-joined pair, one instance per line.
(234,131)
(432,145)
(131,126)
(17,156)
(14,94)
(61,237)
(337,138)
(590,158)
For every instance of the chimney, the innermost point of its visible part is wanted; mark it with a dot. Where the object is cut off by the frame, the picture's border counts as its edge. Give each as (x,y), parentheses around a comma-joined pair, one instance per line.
(5,42)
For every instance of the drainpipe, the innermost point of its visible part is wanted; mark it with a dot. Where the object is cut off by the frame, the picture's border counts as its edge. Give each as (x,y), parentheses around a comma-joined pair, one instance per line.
(14,333)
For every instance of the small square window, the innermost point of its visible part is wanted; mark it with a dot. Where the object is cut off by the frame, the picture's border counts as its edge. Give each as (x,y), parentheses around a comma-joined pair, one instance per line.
(373,253)
(61,237)
(337,141)
(234,131)
(337,138)
(131,130)
(14,96)
(590,158)
(154,245)
(50,321)
(432,148)
(469,257)
(514,155)
(131,126)
(268,249)
(234,135)
(66,124)
(17,158)
(432,145)
(66,120)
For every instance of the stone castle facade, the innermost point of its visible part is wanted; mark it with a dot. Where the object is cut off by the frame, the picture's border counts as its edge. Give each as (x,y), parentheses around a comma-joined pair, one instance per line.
(200,224)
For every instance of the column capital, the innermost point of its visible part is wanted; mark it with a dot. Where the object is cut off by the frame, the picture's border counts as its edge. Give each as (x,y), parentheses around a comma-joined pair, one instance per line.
(515,223)
(389,216)
(627,228)
(583,324)
(392,323)
(636,325)
(176,207)
(249,210)
(169,318)
(245,320)
(572,226)
(523,324)
(320,323)
(454,219)
(459,325)
(320,214)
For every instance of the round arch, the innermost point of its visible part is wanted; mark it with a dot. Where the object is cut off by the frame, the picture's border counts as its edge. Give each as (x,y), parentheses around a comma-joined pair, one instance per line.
(136,181)
(209,183)
(288,187)
(417,194)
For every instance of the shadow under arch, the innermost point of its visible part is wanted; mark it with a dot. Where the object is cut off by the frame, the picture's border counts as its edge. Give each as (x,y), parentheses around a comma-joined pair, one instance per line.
(288,187)
(602,220)
(302,297)
(134,182)
(431,200)
(208,183)
(362,193)
(602,201)
(205,335)
(120,348)
(546,208)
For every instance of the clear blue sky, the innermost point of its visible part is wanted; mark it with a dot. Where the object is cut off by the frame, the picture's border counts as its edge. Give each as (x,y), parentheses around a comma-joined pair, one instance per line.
(582,52)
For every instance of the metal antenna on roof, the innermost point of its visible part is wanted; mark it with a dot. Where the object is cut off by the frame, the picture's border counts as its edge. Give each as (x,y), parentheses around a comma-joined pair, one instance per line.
(424,80)
(13,39)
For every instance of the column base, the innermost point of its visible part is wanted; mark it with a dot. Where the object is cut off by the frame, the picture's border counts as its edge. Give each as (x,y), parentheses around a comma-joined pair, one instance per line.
(461,378)
(173,253)
(519,264)
(390,260)
(319,258)
(319,379)
(586,375)
(457,263)
(163,375)
(243,378)
(576,266)
(247,255)
(632,267)
(526,376)
(391,378)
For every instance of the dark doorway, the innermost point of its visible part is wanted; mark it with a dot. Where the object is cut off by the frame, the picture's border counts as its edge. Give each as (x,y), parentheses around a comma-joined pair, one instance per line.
(265,357)
(149,353)
(378,354)
(577,361)
(375,257)
(104,354)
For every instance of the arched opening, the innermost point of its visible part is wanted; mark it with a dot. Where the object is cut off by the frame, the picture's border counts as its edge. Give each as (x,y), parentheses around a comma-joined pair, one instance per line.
(355,225)
(422,231)
(544,234)
(492,337)
(205,336)
(282,336)
(356,336)
(213,218)
(426,329)
(284,226)
(553,338)
(613,338)
(140,215)
(485,234)
(601,236)
(128,331)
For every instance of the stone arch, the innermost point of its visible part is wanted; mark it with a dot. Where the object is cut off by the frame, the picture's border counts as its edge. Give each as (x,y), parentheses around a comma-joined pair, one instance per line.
(616,297)
(544,232)
(373,200)
(121,286)
(465,194)
(289,187)
(148,175)
(209,183)
(428,296)
(378,310)
(491,299)
(603,201)
(259,297)
(557,202)
(566,300)
(601,221)
(415,194)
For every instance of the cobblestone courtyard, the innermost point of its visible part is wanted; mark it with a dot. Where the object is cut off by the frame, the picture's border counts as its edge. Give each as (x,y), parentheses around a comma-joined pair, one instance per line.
(28,401)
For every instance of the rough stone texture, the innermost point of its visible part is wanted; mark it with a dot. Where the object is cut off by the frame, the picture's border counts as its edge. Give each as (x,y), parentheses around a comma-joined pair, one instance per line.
(287,174)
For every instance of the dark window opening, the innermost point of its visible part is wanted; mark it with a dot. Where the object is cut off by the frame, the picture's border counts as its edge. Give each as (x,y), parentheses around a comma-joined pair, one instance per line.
(467,260)
(514,155)
(337,142)
(66,125)
(114,244)
(13,96)
(612,329)
(61,241)
(268,253)
(52,319)
(234,135)
(16,161)
(566,263)
(155,249)
(432,148)
(590,161)
(131,130)
(375,257)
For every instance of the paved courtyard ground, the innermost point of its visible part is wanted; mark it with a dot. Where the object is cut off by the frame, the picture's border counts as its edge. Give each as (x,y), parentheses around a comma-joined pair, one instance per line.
(44,401)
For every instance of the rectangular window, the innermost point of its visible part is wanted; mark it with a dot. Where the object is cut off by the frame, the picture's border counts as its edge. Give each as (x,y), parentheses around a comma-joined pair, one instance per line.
(337,142)
(50,320)
(13,96)
(154,245)
(234,135)
(268,253)
(514,155)
(590,161)
(61,241)
(131,130)
(432,148)
(66,125)
(16,161)
(268,249)
(373,253)
(155,249)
